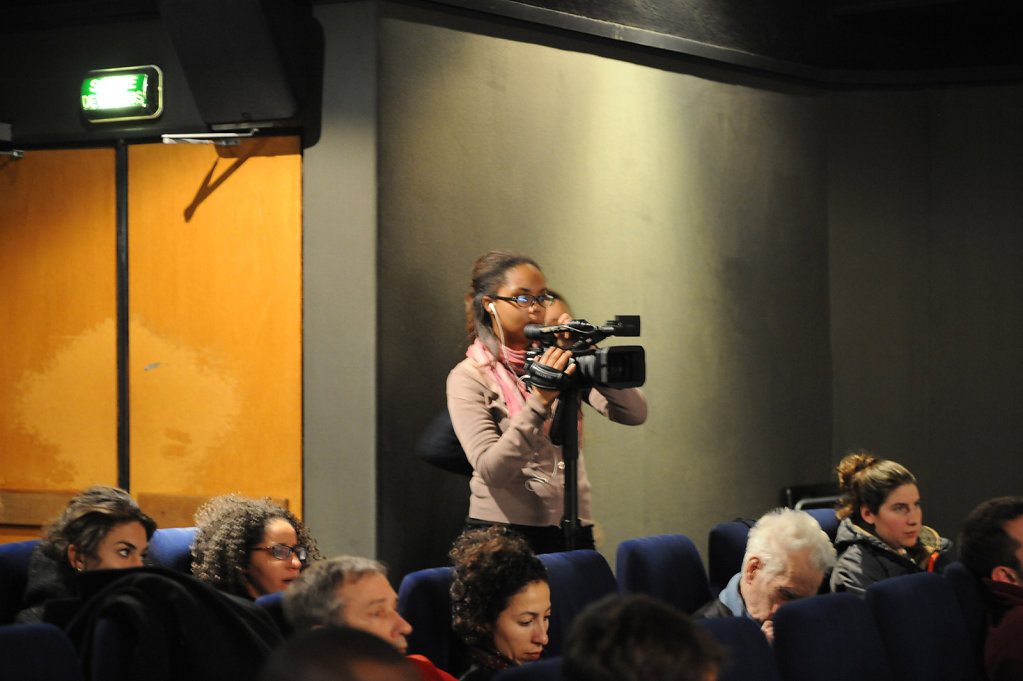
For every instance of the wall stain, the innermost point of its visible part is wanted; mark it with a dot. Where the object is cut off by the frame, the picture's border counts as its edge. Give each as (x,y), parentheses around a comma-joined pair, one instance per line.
(181,415)
(62,417)
(68,409)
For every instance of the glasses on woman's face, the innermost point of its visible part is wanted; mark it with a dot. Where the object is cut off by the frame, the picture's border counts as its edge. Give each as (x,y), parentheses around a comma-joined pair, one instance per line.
(283,551)
(524,301)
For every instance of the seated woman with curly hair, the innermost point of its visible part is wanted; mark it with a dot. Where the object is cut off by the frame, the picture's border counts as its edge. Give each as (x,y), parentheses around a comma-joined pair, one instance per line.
(250,547)
(500,600)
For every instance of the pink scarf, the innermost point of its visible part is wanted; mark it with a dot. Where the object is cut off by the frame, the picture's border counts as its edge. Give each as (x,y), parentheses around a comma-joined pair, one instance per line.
(513,390)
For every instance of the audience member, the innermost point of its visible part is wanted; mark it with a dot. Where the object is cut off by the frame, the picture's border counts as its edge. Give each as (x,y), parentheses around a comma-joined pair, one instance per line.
(991,546)
(637,638)
(500,600)
(502,425)
(354,592)
(787,557)
(250,547)
(101,528)
(337,654)
(881,534)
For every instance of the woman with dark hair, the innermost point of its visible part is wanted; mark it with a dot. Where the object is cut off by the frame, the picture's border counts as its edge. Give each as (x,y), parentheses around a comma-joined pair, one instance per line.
(502,424)
(250,547)
(100,529)
(882,533)
(500,600)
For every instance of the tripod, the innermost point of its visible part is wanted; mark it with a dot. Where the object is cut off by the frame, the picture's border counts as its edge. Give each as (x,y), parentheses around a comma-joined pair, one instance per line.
(565,432)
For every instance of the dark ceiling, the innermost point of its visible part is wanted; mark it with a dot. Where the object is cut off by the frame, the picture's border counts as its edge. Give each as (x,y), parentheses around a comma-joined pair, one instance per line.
(32,14)
(921,34)
(852,35)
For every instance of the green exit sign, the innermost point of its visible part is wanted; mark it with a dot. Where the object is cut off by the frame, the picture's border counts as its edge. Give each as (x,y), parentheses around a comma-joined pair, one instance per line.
(131,93)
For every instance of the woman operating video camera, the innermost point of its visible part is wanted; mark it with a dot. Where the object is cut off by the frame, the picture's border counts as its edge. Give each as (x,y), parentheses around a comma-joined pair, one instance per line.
(502,424)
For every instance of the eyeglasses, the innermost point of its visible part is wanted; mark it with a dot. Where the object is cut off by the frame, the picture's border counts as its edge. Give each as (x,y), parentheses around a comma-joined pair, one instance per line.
(546,300)
(283,551)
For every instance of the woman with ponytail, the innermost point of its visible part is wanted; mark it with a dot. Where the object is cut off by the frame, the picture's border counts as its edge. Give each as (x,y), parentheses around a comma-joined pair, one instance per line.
(502,424)
(881,534)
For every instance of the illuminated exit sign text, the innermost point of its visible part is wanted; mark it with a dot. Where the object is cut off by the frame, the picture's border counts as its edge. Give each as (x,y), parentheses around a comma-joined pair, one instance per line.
(124,94)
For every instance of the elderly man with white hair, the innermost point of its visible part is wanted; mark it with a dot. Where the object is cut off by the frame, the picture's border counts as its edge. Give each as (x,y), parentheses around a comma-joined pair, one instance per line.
(787,558)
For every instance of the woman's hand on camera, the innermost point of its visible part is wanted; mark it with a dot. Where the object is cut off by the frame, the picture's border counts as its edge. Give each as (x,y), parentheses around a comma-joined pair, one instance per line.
(555,358)
(564,339)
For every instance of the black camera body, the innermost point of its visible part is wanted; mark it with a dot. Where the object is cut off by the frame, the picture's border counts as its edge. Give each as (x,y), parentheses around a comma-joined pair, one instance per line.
(621,366)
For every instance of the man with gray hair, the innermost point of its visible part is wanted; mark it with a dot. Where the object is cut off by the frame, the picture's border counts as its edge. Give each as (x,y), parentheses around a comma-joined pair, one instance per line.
(353,592)
(787,558)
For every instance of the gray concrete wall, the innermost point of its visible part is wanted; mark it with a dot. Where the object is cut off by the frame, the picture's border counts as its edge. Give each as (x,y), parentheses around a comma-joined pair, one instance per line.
(699,204)
(927,288)
(339,290)
(815,271)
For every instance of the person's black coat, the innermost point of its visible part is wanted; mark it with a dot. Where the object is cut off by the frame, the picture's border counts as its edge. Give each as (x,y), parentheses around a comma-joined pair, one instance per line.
(169,626)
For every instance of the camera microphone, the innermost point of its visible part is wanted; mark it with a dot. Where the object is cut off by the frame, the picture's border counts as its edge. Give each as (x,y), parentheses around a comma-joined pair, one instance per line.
(574,326)
(537,332)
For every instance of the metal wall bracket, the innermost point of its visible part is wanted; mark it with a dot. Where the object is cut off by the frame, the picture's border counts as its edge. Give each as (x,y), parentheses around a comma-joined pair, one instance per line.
(220,139)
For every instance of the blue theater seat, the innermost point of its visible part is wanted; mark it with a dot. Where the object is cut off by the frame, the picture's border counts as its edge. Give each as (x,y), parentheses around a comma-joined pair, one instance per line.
(424,600)
(37,652)
(577,578)
(969,592)
(829,636)
(667,567)
(541,670)
(922,627)
(726,545)
(170,547)
(828,520)
(274,605)
(748,655)
(14,560)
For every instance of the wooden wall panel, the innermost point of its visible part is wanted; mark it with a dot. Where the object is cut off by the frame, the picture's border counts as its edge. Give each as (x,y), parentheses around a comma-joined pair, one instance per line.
(58,361)
(215,319)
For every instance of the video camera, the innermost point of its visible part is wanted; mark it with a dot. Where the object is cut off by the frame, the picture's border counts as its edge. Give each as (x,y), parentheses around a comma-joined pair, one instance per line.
(621,366)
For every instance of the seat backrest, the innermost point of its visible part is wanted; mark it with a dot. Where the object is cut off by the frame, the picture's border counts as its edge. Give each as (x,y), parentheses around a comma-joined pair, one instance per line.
(748,655)
(14,560)
(667,567)
(542,670)
(274,605)
(828,520)
(577,578)
(969,592)
(726,545)
(37,652)
(922,627)
(424,600)
(829,636)
(171,547)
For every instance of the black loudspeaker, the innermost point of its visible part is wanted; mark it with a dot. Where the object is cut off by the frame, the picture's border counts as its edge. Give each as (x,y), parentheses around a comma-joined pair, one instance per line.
(246,61)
